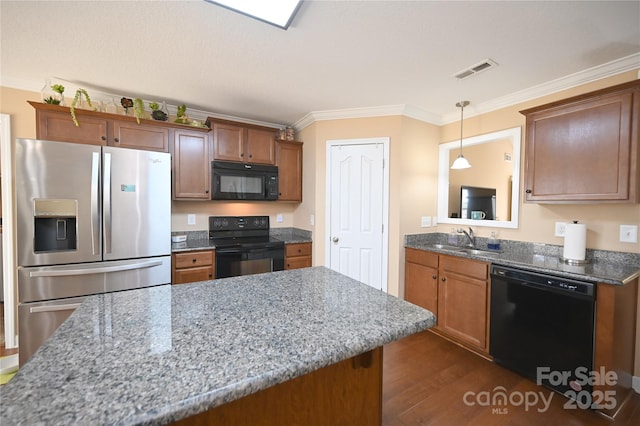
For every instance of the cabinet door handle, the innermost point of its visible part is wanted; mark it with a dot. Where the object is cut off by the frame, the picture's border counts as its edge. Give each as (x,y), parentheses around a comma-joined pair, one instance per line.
(116,139)
(528,191)
(443,279)
(104,138)
(434,277)
(193,260)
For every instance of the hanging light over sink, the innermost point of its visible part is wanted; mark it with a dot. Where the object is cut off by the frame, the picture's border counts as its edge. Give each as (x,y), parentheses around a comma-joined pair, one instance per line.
(461,162)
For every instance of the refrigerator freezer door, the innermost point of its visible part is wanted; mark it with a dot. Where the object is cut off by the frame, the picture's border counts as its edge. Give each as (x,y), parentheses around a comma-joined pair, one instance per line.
(38,321)
(137,203)
(57,220)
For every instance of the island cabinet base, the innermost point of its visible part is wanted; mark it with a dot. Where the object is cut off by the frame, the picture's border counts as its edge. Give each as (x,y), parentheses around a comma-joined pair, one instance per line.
(346,393)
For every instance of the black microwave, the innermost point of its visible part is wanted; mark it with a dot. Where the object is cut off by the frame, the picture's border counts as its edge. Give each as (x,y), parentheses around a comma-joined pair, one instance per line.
(239,181)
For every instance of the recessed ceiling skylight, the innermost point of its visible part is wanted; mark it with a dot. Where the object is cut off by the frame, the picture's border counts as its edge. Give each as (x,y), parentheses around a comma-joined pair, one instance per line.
(274,12)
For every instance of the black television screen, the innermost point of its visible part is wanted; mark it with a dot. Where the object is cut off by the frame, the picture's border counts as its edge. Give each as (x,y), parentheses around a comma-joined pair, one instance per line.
(478,199)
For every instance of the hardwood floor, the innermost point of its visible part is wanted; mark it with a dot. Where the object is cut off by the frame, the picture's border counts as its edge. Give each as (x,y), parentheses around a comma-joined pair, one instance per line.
(425,379)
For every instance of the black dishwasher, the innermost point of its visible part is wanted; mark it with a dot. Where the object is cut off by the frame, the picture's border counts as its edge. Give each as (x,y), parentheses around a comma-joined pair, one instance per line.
(542,326)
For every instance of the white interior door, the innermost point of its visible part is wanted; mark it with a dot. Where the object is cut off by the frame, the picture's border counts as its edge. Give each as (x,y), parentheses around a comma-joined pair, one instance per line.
(357,210)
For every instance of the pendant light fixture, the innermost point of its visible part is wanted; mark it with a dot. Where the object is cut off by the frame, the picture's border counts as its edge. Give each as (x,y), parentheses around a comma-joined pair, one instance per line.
(461,162)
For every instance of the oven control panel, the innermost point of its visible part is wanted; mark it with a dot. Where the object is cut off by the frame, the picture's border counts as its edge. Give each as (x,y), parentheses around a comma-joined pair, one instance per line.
(236,223)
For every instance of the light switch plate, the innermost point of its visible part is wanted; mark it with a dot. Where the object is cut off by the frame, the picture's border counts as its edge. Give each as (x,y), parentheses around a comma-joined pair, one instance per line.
(425,221)
(279,218)
(191,219)
(628,233)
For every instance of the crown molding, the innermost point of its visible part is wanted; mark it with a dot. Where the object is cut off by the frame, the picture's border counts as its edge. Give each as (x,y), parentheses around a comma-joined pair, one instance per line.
(367,112)
(599,72)
(589,75)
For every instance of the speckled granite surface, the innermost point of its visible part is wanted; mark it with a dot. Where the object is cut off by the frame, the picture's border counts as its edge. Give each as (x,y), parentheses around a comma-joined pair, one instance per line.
(199,240)
(603,266)
(154,355)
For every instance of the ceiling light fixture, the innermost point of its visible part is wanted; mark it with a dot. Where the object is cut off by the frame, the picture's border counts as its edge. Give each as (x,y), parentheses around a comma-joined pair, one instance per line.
(461,162)
(274,12)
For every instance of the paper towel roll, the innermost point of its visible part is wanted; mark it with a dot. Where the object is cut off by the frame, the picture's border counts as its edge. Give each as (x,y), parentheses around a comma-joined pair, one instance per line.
(575,241)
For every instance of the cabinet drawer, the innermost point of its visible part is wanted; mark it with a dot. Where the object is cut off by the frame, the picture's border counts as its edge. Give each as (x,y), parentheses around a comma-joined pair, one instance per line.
(421,257)
(299,249)
(463,266)
(193,259)
(297,262)
(190,275)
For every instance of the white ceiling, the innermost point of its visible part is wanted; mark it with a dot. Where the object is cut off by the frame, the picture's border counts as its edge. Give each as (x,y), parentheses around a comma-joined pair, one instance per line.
(338,58)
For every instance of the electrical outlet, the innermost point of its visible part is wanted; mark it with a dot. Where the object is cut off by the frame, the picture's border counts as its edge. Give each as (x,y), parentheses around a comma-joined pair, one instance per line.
(312,219)
(628,233)
(279,218)
(434,220)
(425,221)
(191,219)
(560,228)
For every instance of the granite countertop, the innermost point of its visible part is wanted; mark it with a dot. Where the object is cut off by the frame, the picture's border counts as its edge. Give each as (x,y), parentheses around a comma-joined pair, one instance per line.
(602,266)
(156,355)
(199,240)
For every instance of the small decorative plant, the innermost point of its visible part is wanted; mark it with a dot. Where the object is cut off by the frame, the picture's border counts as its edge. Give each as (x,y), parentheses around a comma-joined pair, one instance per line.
(57,100)
(138,109)
(157,113)
(77,98)
(182,115)
(126,104)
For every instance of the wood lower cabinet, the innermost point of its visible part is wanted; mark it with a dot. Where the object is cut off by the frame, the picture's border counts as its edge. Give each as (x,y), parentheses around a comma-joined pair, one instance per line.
(421,279)
(193,266)
(54,123)
(191,165)
(348,392)
(463,300)
(456,290)
(615,336)
(239,142)
(585,148)
(297,255)
(289,162)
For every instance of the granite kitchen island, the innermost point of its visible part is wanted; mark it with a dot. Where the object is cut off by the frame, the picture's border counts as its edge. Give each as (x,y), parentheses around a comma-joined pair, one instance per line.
(268,346)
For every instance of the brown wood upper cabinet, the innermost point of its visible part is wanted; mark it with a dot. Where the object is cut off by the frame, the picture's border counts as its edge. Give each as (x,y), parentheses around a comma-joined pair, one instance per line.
(54,123)
(191,164)
(289,162)
(246,143)
(585,148)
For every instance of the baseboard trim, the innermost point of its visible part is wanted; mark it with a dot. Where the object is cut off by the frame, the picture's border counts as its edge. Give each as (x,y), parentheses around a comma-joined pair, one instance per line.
(636,384)
(8,364)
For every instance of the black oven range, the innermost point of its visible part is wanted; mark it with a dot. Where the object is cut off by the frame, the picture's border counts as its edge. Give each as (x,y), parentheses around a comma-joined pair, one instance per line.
(243,246)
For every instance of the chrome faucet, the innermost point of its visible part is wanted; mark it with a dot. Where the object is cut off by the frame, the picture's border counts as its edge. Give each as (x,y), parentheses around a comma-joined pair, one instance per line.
(470,237)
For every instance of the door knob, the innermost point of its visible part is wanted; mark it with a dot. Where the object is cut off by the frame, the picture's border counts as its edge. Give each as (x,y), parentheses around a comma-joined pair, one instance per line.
(335,239)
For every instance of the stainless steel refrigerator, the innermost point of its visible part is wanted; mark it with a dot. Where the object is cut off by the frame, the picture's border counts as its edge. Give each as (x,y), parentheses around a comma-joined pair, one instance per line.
(90,220)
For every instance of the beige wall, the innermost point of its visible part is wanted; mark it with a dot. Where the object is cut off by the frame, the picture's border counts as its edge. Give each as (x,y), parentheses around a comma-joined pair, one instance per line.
(413,181)
(537,220)
(412,178)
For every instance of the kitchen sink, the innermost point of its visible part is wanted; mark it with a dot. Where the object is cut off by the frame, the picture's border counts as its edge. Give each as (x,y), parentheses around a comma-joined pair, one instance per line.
(447,247)
(480,252)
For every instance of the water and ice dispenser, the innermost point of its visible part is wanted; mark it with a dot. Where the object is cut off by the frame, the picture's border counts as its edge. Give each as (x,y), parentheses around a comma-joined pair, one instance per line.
(55,225)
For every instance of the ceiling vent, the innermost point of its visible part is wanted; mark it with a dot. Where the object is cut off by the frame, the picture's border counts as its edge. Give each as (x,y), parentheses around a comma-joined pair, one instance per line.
(475,69)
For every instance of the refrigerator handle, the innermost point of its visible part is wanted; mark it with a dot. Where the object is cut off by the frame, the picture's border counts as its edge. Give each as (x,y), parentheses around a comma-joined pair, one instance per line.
(54,308)
(95,206)
(107,202)
(92,271)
